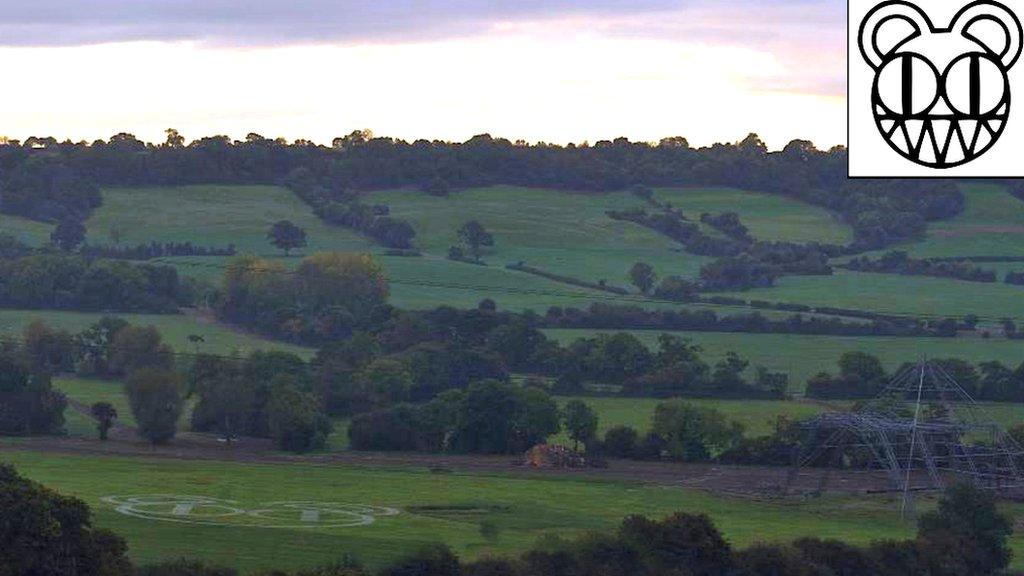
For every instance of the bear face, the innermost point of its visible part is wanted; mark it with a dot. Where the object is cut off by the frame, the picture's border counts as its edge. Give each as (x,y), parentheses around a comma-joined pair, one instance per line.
(940,97)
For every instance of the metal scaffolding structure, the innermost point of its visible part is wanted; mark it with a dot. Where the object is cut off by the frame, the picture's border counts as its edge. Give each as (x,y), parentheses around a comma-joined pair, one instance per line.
(924,431)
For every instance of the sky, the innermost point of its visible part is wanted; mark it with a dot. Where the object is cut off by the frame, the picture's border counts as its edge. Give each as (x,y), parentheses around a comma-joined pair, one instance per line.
(555,71)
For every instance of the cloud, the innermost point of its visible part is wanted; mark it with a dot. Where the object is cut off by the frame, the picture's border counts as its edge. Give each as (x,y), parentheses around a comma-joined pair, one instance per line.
(277,22)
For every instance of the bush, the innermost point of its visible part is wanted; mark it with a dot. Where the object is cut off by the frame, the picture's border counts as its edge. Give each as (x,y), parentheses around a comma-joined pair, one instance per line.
(620,442)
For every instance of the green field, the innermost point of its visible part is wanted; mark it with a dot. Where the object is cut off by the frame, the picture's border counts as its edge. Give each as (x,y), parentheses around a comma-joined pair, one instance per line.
(768,216)
(756,416)
(28,231)
(240,215)
(562,232)
(89,391)
(896,294)
(212,216)
(992,224)
(523,508)
(175,329)
(803,356)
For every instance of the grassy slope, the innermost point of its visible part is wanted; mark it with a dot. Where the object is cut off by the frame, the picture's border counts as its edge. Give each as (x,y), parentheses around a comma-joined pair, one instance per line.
(175,330)
(896,294)
(769,217)
(28,231)
(992,224)
(240,215)
(535,507)
(756,416)
(221,215)
(803,356)
(89,391)
(212,215)
(565,233)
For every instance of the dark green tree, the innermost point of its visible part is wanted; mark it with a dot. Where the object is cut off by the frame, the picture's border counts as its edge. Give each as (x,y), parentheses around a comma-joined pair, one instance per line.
(432,560)
(43,533)
(68,235)
(105,414)
(643,277)
(580,421)
(225,398)
(966,533)
(28,402)
(286,236)
(296,422)
(475,237)
(136,347)
(156,399)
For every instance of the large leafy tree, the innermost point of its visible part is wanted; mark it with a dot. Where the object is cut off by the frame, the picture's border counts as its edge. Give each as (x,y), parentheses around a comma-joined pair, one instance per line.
(68,235)
(28,403)
(286,236)
(156,398)
(643,277)
(296,420)
(475,237)
(43,533)
(966,534)
(105,414)
(580,421)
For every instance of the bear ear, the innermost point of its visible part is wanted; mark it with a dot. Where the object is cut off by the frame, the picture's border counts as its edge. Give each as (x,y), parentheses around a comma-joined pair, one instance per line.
(885,17)
(998,18)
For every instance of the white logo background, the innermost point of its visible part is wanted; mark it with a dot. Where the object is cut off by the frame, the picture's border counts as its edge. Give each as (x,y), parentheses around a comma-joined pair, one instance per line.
(870,153)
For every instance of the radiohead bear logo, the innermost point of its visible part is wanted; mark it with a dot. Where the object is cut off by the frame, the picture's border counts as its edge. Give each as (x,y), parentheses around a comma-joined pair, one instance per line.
(941,96)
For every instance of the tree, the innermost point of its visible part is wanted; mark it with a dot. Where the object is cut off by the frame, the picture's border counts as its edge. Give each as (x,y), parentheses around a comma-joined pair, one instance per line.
(693,433)
(580,421)
(28,402)
(136,347)
(296,421)
(620,442)
(43,533)
(156,399)
(432,560)
(643,277)
(225,397)
(68,235)
(385,381)
(680,544)
(105,414)
(286,236)
(474,236)
(495,417)
(95,344)
(50,351)
(967,533)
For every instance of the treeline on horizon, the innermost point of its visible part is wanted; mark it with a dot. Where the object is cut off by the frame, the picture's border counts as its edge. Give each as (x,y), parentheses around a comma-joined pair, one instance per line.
(49,180)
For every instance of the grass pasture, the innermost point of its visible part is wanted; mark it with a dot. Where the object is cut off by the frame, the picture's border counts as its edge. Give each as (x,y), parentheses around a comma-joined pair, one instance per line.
(893,293)
(768,216)
(992,224)
(174,327)
(431,507)
(28,231)
(565,233)
(803,356)
(755,415)
(89,391)
(212,215)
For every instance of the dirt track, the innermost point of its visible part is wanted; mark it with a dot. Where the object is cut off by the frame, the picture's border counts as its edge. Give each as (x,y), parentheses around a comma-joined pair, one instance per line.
(747,481)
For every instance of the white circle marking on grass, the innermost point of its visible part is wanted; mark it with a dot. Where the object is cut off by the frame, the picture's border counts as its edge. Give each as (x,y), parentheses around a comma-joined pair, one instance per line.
(204,510)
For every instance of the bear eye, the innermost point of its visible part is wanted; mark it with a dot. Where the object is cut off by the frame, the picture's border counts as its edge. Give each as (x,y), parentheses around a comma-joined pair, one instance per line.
(908,84)
(975,85)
